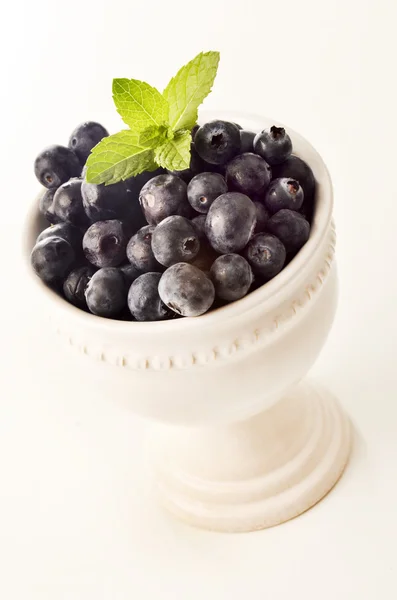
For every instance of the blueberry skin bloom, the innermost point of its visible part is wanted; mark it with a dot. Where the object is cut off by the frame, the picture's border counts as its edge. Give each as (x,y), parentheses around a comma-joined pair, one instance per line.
(55,165)
(144,301)
(45,206)
(68,203)
(249,174)
(130,273)
(203,189)
(217,142)
(66,231)
(75,285)
(230,222)
(262,216)
(163,196)
(186,290)
(296,168)
(266,255)
(106,292)
(283,193)
(175,240)
(52,258)
(291,228)
(231,276)
(116,201)
(104,243)
(273,144)
(140,253)
(85,137)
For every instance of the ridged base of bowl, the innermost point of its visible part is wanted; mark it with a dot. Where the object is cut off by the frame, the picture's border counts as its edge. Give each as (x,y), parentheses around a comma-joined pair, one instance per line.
(258,473)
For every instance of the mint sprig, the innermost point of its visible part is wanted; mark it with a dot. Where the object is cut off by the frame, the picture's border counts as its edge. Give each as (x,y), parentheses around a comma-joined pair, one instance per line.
(159,124)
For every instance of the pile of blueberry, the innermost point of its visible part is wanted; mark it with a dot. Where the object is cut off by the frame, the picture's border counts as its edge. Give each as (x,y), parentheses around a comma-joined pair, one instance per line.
(162,245)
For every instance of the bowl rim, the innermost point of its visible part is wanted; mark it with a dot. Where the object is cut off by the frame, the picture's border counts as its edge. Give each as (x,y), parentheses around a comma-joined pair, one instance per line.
(261,296)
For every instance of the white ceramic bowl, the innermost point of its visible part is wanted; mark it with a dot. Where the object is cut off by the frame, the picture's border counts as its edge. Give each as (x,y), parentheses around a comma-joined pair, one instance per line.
(234,368)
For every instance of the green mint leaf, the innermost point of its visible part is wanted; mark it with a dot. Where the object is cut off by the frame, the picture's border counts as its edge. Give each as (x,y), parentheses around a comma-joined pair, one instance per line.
(118,157)
(155,136)
(139,104)
(186,91)
(175,154)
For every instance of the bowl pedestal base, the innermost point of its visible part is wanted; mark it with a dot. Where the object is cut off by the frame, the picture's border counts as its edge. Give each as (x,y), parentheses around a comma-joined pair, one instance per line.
(257,473)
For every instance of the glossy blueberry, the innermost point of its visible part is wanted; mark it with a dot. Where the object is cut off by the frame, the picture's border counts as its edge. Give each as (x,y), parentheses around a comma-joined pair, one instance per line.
(249,174)
(55,165)
(203,189)
(217,142)
(247,140)
(130,273)
(296,168)
(199,225)
(66,231)
(290,227)
(231,276)
(117,201)
(68,203)
(52,258)
(140,253)
(163,196)
(175,240)
(85,137)
(266,255)
(197,165)
(75,285)
(262,216)
(273,144)
(45,206)
(230,222)
(186,290)
(283,193)
(144,301)
(106,292)
(104,243)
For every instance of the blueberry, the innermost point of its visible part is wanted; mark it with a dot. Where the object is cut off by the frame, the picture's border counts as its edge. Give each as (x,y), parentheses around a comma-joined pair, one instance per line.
(197,165)
(217,142)
(205,258)
(175,240)
(52,258)
(249,174)
(106,292)
(140,253)
(247,140)
(117,201)
(230,222)
(45,206)
(186,290)
(55,165)
(262,216)
(85,137)
(194,131)
(130,273)
(295,168)
(104,243)
(283,193)
(68,203)
(66,231)
(273,144)
(203,189)
(199,225)
(163,196)
(144,301)
(291,228)
(75,285)
(266,255)
(238,126)
(231,276)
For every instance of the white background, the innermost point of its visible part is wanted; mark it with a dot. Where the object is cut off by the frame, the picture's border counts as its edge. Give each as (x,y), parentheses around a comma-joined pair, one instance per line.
(77,519)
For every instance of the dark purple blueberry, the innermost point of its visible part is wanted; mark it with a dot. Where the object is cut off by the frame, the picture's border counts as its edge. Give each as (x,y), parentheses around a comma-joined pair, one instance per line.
(194,131)
(106,292)
(66,231)
(117,201)
(67,205)
(85,137)
(230,222)
(205,257)
(52,258)
(175,240)
(130,272)
(231,276)
(203,189)
(291,228)
(140,253)
(199,225)
(163,196)
(273,144)
(75,285)
(104,243)
(283,193)
(295,168)
(186,290)
(45,206)
(247,141)
(249,174)
(262,216)
(217,142)
(238,126)
(266,255)
(144,301)
(55,165)
(197,165)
